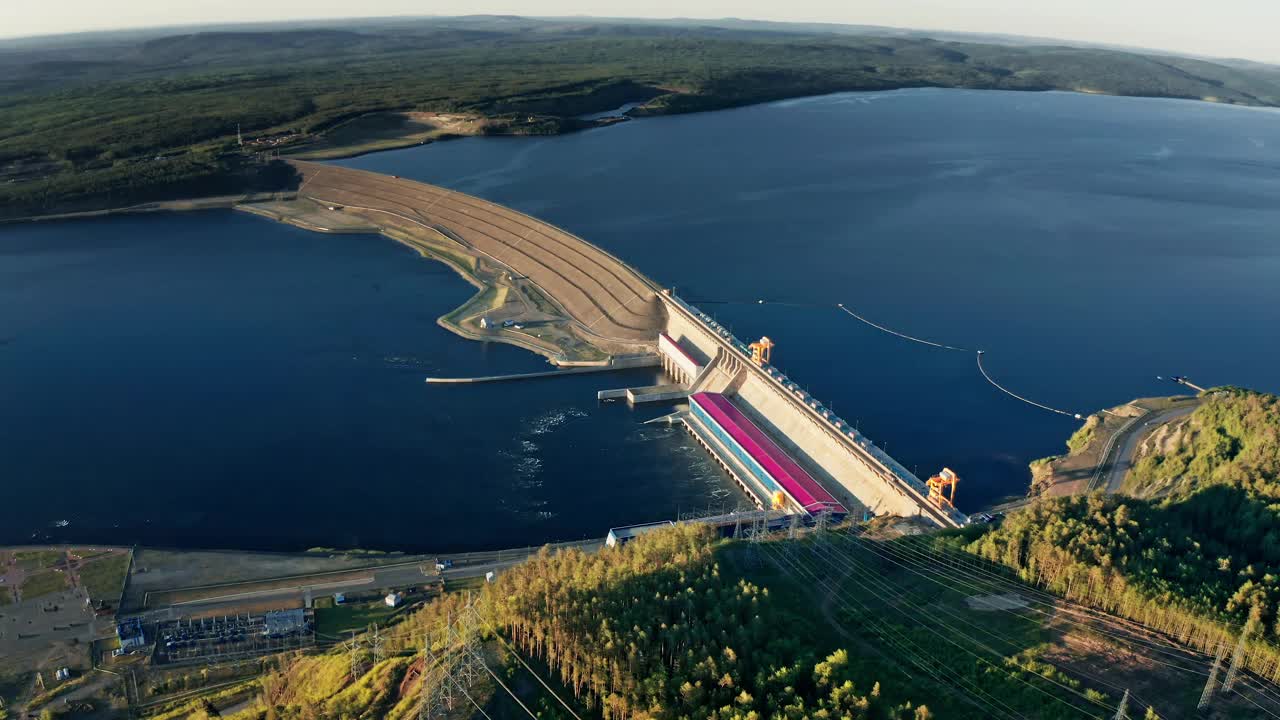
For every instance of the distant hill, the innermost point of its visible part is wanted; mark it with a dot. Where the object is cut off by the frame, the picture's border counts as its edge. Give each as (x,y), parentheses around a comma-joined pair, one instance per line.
(79,114)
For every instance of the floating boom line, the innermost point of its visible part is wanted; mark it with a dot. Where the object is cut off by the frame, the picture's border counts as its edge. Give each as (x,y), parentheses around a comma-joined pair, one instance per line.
(980,353)
(882,328)
(1012,394)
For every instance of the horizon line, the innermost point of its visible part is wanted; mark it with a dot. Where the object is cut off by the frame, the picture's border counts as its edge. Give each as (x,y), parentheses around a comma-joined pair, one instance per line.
(1042,40)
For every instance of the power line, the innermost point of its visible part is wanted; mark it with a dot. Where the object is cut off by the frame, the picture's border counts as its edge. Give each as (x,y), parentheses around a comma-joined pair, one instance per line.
(1163,647)
(884,588)
(907,649)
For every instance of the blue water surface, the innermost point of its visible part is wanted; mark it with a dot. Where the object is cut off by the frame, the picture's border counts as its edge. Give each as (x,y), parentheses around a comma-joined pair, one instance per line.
(215,379)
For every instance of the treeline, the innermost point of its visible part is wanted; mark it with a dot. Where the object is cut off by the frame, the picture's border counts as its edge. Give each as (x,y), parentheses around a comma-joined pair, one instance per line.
(653,630)
(143,181)
(1202,566)
(170,95)
(650,630)
(1232,439)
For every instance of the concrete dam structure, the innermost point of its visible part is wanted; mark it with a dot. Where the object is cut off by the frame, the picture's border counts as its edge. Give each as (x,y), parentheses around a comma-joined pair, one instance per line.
(861,476)
(789,453)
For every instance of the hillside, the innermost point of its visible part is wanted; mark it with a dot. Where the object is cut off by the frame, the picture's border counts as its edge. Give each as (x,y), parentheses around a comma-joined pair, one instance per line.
(1232,440)
(860,624)
(1199,558)
(77,120)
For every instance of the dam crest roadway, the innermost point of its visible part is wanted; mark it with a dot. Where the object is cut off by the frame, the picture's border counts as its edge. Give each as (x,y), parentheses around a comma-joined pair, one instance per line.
(549,291)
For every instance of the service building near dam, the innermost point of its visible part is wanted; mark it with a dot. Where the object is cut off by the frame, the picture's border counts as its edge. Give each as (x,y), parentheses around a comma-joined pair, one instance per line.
(545,289)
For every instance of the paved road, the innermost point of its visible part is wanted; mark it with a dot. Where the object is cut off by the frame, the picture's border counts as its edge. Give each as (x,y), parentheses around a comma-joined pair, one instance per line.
(1127,445)
(374,578)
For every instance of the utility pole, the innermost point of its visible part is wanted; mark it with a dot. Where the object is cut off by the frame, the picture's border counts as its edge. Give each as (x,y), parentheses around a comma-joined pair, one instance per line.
(1210,685)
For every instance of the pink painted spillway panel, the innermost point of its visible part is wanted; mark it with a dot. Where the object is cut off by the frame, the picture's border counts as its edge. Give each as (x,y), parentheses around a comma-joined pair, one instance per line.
(800,485)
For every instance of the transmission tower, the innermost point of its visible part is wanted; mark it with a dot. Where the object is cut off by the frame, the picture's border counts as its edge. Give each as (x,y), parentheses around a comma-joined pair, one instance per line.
(471,665)
(1122,712)
(1237,659)
(794,530)
(375,643)
(820,522)
(355,650)
(456,667)
(1210,685)
(435,690)
(755,536)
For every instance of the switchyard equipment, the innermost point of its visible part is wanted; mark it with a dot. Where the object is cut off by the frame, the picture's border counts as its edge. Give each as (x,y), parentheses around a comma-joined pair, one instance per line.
(944,481)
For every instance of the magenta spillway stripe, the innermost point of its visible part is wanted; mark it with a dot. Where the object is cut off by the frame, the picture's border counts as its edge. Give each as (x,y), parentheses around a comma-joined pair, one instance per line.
(800,485)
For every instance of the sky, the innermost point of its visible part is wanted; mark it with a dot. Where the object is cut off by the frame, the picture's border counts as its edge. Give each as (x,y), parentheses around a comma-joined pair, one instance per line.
(1222,28)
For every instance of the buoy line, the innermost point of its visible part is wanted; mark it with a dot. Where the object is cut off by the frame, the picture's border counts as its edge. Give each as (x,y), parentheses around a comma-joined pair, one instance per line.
(980,353)
(1010,393)
(904,336)
(894,332)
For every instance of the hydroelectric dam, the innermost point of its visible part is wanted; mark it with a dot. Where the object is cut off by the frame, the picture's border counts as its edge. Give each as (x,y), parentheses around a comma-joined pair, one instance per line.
(545,289)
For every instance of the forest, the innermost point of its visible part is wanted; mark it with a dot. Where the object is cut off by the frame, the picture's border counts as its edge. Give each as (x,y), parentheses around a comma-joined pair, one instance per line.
(681,623)
(1232,439)
(1201,563)
(101,111)
(651,630)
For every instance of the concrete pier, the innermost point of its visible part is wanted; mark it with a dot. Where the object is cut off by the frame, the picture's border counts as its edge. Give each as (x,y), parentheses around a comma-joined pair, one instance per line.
(632,364)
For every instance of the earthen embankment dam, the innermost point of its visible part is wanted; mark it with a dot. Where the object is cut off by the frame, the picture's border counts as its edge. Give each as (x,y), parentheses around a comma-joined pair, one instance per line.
(603,297)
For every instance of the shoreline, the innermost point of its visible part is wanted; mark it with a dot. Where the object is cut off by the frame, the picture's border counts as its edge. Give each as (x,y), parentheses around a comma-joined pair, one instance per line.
(231,201)
(424,251)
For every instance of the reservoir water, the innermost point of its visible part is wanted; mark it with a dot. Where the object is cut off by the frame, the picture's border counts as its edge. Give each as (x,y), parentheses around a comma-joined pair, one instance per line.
(215,379)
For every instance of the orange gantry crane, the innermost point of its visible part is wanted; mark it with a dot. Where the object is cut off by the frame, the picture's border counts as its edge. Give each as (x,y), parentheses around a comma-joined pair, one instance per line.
(761,350)
(945,480)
